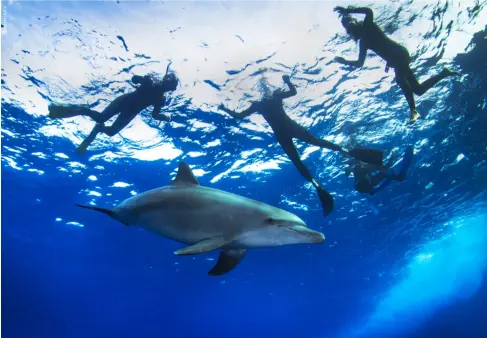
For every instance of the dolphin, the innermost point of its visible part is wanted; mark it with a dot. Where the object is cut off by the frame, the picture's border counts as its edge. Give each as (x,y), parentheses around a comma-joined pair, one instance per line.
(209,219)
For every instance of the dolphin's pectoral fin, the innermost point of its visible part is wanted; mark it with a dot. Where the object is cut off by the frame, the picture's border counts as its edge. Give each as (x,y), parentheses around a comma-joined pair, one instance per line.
(185,175)
(204,246)
(227,261)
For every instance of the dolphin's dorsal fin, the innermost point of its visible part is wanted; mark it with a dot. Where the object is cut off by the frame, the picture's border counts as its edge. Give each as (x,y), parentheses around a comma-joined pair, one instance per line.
(185,175)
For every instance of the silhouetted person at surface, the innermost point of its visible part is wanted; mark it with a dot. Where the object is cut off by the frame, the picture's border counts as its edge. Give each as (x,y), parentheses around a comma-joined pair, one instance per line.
(475,60)
(370,179)
(285,130)
(371,36)
(148,93)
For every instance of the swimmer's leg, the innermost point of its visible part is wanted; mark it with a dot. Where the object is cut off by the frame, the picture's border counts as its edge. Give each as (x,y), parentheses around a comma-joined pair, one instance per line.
(387,178)
(390,175)
(304,135)
(409,94)
(384,183)
(391,161)
(364,186)
(122,120)
(89,139)
(405,163)
(378,177)
(371,156)
(66,111)
(421,88)
(291,151)
(60,111)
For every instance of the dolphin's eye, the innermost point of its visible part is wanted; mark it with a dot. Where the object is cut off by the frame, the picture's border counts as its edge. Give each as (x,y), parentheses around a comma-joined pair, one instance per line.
(269,220)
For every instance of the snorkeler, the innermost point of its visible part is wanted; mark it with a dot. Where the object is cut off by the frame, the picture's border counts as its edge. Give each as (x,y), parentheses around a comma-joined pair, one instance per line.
(371,36)
(149,92)
(370,179)
(285,130)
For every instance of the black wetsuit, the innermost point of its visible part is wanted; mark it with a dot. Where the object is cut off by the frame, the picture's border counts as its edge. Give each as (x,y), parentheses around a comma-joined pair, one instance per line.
(149,93)
(370,179)
(365,180)
(372,37)
(285,130)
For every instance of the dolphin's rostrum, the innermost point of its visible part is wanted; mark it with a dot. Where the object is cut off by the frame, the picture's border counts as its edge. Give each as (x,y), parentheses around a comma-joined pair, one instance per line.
(208,219)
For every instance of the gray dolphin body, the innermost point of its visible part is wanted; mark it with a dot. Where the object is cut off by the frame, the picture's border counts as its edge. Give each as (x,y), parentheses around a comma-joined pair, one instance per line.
(208,219)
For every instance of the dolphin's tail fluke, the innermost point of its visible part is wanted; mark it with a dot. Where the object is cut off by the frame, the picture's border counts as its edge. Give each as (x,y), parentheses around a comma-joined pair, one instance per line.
(103,210)
(108,212)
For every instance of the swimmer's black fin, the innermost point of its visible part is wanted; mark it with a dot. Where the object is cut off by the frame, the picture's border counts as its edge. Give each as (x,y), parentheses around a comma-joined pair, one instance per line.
(227,261)
(371,156)
(108,212)
(62,112)
(406,162)
(326,199)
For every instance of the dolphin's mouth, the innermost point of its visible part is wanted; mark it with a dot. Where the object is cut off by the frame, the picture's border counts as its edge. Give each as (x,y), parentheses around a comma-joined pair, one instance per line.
(300,228)
(284,223)
(295,226)
(316,236)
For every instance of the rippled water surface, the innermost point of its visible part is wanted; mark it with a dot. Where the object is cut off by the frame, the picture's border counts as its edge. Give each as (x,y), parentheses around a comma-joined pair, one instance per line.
(392,264)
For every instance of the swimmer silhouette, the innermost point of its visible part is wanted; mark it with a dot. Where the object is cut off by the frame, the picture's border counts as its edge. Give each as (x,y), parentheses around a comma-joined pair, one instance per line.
(370,179)
(371,36)
(285,130)
(148,93)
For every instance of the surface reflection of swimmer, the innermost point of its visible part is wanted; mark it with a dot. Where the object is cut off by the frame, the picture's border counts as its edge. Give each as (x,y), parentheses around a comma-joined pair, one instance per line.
(148,93)
(371,36)
(370,179)
(285,130)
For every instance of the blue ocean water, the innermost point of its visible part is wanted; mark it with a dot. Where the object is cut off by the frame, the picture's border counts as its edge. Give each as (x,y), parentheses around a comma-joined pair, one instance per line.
(408,262)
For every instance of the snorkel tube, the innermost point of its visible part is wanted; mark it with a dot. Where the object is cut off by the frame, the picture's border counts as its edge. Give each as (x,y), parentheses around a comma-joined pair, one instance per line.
(167,68)
(170,78)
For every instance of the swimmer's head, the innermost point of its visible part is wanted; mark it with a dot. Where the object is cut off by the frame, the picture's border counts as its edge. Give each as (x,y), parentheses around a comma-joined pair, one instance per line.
(277,92)
(352,26)
(170,81)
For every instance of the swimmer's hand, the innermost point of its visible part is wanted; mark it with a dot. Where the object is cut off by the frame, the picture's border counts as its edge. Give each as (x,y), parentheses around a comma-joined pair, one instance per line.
(340,10)
(341,60)
(286,78)
(222,107)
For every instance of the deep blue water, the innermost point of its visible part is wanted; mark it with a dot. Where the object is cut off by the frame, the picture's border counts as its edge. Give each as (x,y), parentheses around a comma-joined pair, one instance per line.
(409,262)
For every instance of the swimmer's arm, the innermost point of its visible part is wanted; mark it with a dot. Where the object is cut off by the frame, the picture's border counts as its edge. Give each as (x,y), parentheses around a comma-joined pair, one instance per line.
(249,111)
(361,58)
(156,112)
(292,89)
(369,14)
